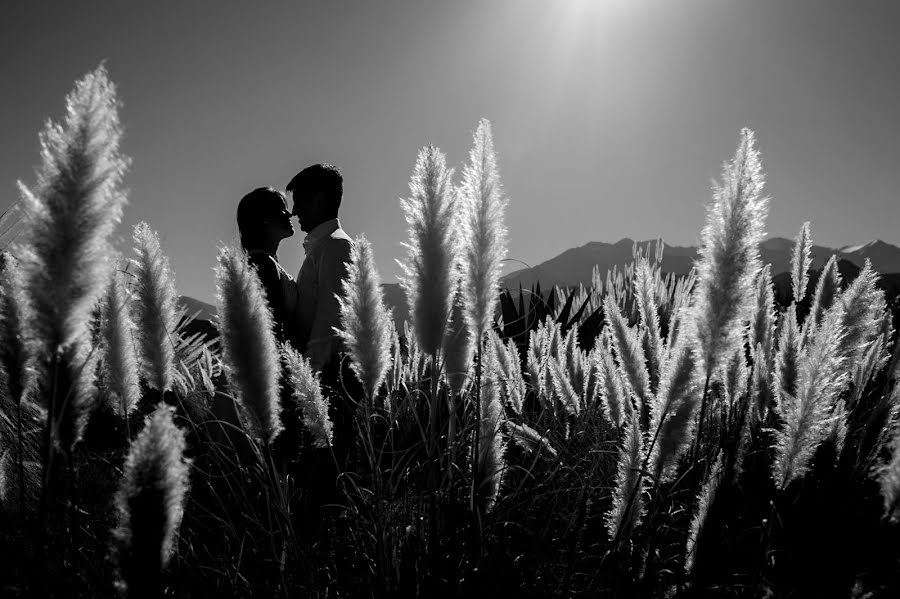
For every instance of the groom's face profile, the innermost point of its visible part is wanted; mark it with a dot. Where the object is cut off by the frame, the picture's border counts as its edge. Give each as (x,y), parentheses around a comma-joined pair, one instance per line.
(307,209)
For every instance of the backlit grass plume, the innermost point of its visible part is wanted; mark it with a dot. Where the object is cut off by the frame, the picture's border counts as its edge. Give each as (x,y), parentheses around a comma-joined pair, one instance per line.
(509,371)
(800,262)
(307,393)
(628,502)
(458,348)
(807,415)
(430,268)
(155,309)
(704,503)
(788,357)
(365,322)
(645,294)
(630,354)
(484,232)
(490,446)
(250,354)
(564,392)
(676,404)
(69,214)
(617,405)
(862,311)
(515,382)
(71,210)
(729,259)
(150,505)
(762,329)
(17,368)
(827,289)
(119,355)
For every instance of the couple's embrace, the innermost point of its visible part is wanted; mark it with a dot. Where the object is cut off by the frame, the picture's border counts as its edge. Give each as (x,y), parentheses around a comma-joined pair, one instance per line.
(306,310)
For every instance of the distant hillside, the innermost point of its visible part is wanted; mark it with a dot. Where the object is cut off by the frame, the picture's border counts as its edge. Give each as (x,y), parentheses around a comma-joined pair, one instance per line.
(207,311)
(575,265)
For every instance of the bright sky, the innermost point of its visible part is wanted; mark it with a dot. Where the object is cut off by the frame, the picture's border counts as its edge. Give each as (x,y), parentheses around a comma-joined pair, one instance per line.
(610,116)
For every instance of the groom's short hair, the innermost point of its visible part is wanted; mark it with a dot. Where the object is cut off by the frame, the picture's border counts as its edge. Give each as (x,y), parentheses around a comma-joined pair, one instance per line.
(320,177)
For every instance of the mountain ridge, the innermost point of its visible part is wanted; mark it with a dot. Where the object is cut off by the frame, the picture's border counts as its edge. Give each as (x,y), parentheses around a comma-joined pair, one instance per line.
(574,266)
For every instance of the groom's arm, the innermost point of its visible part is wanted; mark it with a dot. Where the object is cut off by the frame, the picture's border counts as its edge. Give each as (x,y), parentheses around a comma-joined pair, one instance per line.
(323,341)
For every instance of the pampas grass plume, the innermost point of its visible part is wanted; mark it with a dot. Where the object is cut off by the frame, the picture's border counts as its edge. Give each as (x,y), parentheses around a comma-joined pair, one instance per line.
(155,308)
(628,503)
(307,394)
(429,278)
(645,294)
(458,348)
(71,211)
(827,289)
(800,263)
(150,504)
(17,367)
(807,415)
(249,353)
(490,445)
(676,403)
(763,325)
(484,232)
(729,256)
(119,357)
(618,407)
(862,308)
(365,322)
(629,351)
(788,357)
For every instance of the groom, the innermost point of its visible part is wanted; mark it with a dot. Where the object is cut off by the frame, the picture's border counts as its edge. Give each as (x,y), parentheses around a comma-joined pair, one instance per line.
(317,192)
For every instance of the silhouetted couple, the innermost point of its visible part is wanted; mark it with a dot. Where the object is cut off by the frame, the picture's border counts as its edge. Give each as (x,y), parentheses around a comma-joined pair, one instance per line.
(305,310)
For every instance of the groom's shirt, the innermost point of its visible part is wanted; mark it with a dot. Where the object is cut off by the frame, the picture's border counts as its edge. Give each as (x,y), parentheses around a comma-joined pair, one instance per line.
(324,268)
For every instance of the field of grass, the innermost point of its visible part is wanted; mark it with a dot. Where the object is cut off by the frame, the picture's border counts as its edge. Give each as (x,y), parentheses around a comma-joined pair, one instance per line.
(650,436)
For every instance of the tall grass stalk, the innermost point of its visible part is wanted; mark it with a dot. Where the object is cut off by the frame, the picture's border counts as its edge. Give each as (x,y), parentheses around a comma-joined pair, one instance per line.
(762,330)
(365,322)
(119,353)
(631,357)
(484,232)
(307,393)
(729,259)
(429,271)
(800,263)
(788,357)
(483,250)
(807,416)
(862,310)
(150,504)
(250,354)
(155,309)
(645,293)
(69,213)
(458,348)
(490,425)
(628,503)
(827,289)
(617,405)
(17,359)
(674,409)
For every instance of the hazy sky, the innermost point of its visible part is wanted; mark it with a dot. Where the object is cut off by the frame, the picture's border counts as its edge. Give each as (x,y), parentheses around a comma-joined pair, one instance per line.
(610,116)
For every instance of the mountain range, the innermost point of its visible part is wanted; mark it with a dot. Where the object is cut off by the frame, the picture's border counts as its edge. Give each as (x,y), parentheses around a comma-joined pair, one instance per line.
(576,265)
